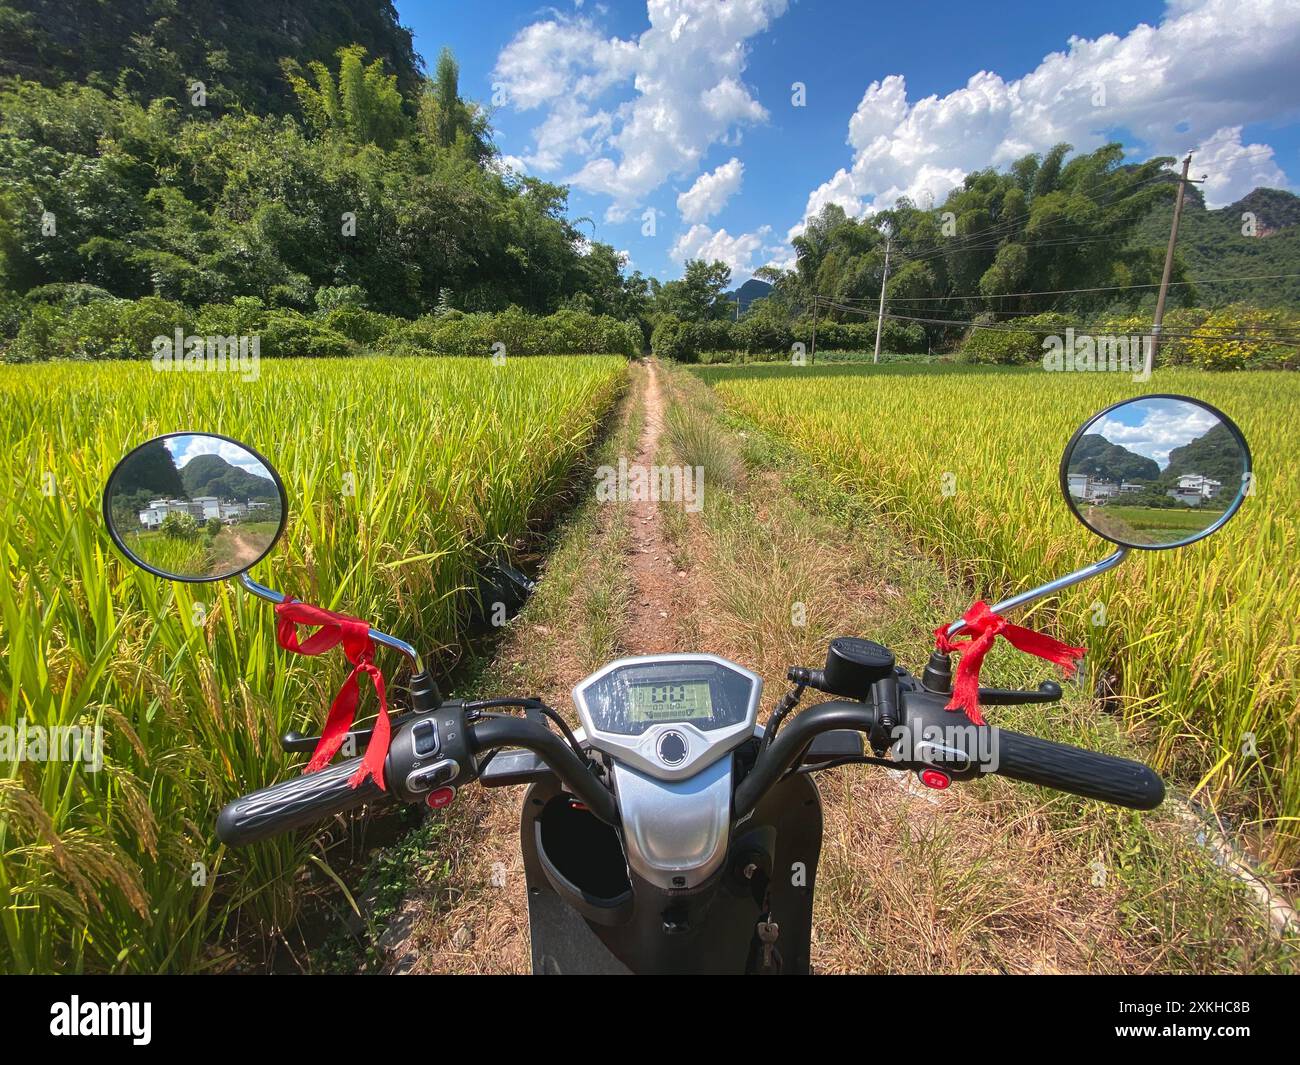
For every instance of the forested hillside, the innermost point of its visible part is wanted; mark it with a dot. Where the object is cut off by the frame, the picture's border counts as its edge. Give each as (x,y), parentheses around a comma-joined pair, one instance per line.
(317,173)
(1228,242)
(156,48)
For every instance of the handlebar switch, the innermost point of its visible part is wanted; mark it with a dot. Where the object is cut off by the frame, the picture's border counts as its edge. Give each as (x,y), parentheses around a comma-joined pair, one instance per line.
(425,749)
(443,796)
(441,772)
(424,738)
(935,778)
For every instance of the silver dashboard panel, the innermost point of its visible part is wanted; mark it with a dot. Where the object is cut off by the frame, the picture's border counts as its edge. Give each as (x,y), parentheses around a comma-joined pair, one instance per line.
(675,833)
(692,748)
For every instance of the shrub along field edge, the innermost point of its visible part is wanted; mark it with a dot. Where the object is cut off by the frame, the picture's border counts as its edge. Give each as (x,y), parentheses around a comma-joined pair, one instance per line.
(83,323)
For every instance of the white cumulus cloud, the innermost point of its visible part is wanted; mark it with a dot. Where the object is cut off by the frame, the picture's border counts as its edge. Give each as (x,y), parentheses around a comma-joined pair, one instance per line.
(687,93)
(738,252)
(1209,68)
(711,192)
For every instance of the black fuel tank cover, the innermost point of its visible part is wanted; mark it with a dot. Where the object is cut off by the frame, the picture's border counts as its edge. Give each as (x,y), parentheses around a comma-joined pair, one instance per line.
(853,665)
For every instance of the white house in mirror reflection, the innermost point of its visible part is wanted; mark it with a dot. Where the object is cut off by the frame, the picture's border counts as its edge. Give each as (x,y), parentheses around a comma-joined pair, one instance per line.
(1096,489)
(201,508)
(1193,488)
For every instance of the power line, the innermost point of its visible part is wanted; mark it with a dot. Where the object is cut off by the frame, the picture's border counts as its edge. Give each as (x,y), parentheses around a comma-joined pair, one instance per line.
(1069,291)
(1289,340)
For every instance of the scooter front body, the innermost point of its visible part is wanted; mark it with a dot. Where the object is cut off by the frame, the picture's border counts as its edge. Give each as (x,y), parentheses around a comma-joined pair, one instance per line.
(588,912)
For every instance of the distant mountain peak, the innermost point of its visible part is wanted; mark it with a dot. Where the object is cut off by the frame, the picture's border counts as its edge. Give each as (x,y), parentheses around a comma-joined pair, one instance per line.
(1274,209)
(751,290)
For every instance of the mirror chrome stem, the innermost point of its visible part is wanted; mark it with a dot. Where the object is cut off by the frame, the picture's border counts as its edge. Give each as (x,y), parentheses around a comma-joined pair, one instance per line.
(272,596)
(1050,588)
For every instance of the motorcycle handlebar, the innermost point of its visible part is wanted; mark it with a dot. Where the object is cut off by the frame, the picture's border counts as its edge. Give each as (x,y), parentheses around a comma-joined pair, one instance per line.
(1078,771)
(307,799)
(969,747)
(493,732)
(293,803)
(790,742)
(966,748)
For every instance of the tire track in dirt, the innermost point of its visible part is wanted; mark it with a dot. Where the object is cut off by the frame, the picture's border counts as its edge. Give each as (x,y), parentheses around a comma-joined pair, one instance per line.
(657,585)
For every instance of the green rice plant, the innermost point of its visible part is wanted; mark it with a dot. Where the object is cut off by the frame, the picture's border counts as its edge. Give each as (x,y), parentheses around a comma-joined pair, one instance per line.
(403,474)
(170,554)
(1202,639)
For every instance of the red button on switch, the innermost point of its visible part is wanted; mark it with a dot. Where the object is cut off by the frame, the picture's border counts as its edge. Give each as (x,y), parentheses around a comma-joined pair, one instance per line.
(440,797)
(933,778)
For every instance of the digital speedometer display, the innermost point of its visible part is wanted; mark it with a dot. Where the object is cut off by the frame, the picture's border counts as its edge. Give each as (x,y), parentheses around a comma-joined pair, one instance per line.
(635,695)
(648,703)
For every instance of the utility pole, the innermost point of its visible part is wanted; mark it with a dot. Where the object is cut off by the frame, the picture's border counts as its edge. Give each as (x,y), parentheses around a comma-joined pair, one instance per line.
(1154,346)
(813,356)
(880,318)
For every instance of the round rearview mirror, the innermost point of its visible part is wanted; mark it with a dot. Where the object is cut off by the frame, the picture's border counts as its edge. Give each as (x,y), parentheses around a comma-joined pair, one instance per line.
(1157,471)
(194,506)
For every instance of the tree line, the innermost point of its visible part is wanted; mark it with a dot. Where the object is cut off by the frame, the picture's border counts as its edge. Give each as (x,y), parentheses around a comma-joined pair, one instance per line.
(359,185)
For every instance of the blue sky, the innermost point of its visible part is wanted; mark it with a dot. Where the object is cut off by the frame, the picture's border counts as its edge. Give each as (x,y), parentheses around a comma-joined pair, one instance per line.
(1155,427)
(686,106)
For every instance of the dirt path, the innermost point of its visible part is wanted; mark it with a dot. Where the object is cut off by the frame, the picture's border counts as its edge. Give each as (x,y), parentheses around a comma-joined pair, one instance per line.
(243,552)
(649,628)
(985,879)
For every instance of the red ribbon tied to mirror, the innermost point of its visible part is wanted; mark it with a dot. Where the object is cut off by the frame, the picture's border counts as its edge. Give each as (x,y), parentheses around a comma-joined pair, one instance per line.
(985,627)
(354,634)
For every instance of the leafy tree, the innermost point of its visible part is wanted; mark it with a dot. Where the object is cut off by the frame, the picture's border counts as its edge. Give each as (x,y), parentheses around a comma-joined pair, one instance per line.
(362,103)
(1050,222)
(332,297)
(149,200)
(180,526)
(604,287)
(450,121)
(152,470)
(697,297)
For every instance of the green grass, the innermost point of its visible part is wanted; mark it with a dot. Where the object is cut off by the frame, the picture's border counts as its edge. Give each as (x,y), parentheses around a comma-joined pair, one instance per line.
(1149,525)
(404,475)
(964,459)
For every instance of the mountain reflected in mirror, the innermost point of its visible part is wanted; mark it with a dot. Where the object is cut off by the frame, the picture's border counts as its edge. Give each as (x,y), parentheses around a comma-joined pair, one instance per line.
(194,506)
(1155,472)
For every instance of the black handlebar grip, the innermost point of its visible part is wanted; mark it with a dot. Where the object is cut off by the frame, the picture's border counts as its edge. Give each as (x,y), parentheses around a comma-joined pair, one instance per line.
(293,803)
(1080,772)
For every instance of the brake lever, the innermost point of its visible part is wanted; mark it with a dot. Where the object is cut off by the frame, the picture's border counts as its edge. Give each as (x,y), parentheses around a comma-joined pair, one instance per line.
(1048,692)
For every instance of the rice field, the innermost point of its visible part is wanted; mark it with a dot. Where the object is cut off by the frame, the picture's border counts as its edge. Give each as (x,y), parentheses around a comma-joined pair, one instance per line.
(1202,640)
(404,475)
